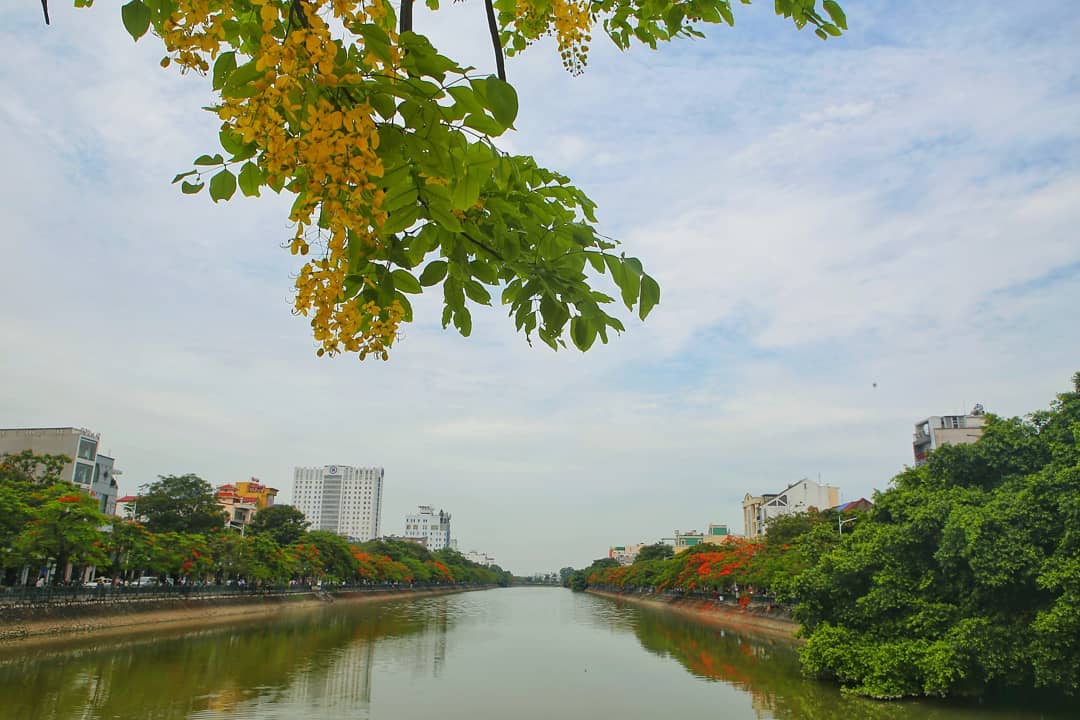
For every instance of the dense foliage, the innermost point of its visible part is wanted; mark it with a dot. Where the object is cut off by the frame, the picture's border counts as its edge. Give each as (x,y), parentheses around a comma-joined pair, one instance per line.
(766,566)
(965,578)
(388,148)
(45,522)
(180,503)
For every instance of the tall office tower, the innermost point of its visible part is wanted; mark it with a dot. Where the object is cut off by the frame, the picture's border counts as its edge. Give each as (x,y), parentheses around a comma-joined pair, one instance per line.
(343,499)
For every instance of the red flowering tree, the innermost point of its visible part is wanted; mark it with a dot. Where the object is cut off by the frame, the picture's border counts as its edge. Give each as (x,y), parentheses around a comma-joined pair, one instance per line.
(65,529)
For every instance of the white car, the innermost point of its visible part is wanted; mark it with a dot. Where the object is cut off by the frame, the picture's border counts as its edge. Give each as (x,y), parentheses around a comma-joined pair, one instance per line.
(146,581)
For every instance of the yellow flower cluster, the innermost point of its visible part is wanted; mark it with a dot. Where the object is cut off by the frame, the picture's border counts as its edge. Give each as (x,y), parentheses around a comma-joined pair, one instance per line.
(573,22)
(570,21)
(316,139)
(194,30)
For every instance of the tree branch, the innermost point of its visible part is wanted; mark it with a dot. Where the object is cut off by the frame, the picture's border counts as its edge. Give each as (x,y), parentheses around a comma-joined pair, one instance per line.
(405,21)
(45,9)
(297,9)
(493,28)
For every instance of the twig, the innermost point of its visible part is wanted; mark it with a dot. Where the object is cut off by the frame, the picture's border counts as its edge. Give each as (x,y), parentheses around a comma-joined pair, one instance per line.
(493,27)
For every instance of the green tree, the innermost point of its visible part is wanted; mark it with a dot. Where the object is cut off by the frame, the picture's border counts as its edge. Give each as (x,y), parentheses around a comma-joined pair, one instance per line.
(29,467)
(335,554)
(65,528)
(129,547)
(389,149)
(963,578)
(180,503)
(657,551)
(282,523)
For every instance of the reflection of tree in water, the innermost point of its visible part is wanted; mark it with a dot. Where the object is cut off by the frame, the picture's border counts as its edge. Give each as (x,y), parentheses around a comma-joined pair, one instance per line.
(322,659)
(767,669)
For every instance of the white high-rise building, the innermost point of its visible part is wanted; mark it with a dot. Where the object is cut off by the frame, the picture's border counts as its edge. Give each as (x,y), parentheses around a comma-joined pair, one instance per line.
(343,499)
(431,527)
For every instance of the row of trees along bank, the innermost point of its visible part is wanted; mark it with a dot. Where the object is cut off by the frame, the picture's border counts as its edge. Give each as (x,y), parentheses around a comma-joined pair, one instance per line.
(962,580)
(48,524)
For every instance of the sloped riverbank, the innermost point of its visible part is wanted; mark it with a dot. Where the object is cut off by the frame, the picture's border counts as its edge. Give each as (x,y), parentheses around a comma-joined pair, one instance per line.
(752,619)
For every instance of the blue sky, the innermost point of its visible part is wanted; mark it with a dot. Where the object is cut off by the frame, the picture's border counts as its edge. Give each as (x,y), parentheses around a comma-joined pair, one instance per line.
(898,207)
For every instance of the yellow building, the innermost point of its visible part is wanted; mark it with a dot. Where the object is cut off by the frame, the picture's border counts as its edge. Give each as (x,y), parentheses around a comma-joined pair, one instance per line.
(253,491)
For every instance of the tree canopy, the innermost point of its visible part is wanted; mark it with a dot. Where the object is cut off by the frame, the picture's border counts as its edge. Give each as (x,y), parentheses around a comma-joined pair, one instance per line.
(389,150)
(284,523)
(656,551)
(965,577)
(180,503)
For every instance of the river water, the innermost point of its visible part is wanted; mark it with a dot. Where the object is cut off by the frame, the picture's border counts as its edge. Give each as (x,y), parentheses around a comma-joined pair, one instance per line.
(520,653)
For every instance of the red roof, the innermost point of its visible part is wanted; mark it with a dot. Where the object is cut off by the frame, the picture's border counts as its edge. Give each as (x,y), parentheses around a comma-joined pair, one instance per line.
(128,498)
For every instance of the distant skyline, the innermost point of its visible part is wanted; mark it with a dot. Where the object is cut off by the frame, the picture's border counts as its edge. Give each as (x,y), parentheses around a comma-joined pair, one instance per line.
(850,236)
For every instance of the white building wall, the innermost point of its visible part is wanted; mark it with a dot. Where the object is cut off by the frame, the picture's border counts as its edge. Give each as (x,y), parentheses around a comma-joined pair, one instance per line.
(343,499)
(799,498)
(430,526)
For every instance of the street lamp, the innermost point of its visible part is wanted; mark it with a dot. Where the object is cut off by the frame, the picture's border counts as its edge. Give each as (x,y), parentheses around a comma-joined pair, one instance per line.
(840,523)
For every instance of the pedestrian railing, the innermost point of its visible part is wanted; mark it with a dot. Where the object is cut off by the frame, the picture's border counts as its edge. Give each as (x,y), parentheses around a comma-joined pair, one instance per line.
(106,593)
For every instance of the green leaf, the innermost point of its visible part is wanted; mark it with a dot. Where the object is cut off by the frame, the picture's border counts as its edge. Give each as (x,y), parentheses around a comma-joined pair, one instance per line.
(191,188)
(477,292)
(500,97)
(209,160)
(383,103)
(181,176)
(836,13)
(650,296)
(433,273)
(223,67)
(405,282)
(484,124)
(406,307)
(136,17)
(555,313)
(582,333)
(628,282)
(234,143)
(463,321)
(251,178)
(222,186)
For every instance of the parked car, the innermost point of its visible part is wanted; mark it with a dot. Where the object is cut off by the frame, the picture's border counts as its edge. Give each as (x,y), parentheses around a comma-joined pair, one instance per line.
(147,581)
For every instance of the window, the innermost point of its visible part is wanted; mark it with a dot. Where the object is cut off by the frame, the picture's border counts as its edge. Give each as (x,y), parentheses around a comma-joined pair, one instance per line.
(83,473)
(87,449)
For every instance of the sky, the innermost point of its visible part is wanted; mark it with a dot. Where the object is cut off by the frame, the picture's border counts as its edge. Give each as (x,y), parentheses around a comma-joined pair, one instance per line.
(850,236)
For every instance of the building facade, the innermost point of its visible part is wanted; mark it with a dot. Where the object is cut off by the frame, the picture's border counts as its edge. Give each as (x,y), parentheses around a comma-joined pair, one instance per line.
(103,486)
(480,558)
(242,500)
(78,444)
(343,499)
(430,526)
(625,554)
(798,497)
(938,430)
(92,471)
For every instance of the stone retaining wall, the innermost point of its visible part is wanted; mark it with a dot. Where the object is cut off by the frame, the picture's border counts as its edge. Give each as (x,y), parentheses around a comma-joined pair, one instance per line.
(62,621)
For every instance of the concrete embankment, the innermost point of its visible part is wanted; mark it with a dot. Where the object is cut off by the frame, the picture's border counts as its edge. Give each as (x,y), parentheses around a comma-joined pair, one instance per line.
(755,620)
(60,622)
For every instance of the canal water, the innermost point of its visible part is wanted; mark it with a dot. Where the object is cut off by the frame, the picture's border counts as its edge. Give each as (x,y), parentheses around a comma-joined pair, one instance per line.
(522,653)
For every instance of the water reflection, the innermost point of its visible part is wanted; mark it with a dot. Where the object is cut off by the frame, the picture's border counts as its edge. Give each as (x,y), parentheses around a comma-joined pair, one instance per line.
(316,665)
(768,670)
